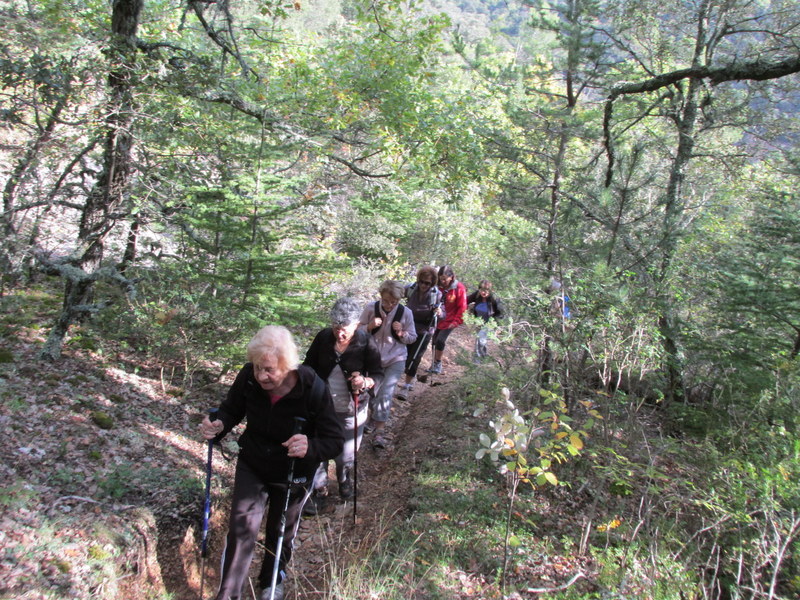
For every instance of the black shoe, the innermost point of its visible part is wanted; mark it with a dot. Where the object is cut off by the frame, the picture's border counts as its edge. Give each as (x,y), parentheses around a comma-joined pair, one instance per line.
(346,485)
(315,504)
(346,489)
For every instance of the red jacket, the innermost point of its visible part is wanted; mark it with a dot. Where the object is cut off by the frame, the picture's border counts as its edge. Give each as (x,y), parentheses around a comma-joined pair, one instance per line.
(455,303)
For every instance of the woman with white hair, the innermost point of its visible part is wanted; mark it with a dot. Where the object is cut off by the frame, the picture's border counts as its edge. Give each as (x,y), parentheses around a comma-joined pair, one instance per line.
(275,394)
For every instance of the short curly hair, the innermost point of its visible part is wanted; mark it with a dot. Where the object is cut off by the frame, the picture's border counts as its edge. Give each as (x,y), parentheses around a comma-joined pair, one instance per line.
(277,341)
(345,311)
(427,273)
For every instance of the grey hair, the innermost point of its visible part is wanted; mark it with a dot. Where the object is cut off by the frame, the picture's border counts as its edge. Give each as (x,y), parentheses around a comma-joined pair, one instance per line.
(395,288)
(345,311)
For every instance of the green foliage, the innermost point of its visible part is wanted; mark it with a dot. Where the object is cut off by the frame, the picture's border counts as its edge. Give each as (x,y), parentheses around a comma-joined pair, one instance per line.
(755,285)
(528,447)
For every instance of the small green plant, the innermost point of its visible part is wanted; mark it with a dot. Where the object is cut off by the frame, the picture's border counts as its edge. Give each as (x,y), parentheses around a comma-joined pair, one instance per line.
(118,482)
(16,495)
(526,446)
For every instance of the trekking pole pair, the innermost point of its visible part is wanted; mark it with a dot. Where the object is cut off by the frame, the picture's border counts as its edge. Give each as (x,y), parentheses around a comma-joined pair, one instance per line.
(299,422)
(298,428)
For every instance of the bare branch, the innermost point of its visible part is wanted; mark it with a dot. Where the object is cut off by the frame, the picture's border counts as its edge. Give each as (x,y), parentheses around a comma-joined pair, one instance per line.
(757,70)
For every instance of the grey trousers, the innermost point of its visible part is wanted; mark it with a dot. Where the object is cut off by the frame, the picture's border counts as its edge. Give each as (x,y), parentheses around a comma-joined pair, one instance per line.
(344,461)
(250,498)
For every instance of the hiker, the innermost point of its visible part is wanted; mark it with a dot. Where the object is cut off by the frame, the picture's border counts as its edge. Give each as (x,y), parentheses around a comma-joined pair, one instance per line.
(560,306)
(423,299)
(349,360)
(454,296)
(482,303)
(392,327)
(270,392)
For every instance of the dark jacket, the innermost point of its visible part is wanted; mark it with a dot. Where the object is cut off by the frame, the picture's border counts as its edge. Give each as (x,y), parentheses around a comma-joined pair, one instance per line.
(495,306)
(268,425)
(362,355)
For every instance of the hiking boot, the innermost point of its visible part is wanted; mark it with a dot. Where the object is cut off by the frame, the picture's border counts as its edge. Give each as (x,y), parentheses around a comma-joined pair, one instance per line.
(436,367)
(346,487)
(379,442)
(403,390)
(267,593)
(369,427)
(314,505)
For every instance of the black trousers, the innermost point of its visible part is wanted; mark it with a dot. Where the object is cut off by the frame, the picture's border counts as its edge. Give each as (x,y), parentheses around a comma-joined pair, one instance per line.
(250,498)
(416,350)
(440,338)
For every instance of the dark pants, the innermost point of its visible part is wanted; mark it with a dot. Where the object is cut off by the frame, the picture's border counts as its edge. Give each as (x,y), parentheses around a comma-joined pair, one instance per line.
(352,442)
(416,351)
(250,497)
(440,338)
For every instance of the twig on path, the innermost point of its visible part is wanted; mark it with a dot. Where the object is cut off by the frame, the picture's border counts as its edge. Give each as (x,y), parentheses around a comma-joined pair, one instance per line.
(90,500)
(560,588)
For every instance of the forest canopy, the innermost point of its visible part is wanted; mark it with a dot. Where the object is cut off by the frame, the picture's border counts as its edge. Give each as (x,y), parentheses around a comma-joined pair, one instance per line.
(186,171)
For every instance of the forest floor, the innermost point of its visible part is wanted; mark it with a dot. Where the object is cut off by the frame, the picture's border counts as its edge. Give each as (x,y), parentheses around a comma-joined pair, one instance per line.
(102,465)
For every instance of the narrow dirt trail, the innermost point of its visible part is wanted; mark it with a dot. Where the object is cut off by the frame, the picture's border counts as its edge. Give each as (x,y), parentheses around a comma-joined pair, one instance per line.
(385,481)
(385,478)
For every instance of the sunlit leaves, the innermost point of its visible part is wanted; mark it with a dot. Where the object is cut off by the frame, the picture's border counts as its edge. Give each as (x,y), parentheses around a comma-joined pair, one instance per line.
(527,446)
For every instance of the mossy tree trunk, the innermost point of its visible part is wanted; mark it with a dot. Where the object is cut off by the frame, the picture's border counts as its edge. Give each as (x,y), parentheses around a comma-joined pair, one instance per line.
(105,204)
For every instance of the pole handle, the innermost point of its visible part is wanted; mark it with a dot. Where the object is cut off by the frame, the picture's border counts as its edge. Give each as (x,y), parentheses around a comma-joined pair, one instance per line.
(299,425)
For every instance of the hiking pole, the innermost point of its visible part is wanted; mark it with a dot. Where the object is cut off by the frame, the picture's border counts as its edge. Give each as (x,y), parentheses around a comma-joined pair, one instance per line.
(355,457)
(206,508)
(431,327)
(299,422)
(419,347)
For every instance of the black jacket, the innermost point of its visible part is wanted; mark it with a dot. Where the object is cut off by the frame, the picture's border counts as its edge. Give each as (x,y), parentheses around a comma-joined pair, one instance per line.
(268,425)
(495,306)
(362,355)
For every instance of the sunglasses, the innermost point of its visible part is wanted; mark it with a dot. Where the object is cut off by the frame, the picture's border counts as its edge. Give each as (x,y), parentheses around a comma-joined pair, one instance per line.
(425,282)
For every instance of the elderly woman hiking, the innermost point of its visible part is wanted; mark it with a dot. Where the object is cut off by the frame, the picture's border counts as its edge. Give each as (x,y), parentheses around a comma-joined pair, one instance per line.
(455,303)
(274,394)
(348,359)
(392,327)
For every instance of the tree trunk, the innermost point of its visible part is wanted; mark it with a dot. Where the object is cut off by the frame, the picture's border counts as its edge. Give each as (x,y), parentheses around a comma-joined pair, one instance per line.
(106,197)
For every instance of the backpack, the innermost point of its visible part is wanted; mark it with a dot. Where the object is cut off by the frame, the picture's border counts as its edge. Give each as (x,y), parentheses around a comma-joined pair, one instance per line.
(397,316)
(411,289)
